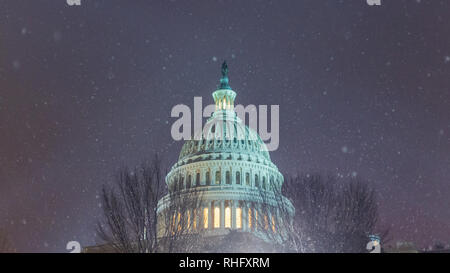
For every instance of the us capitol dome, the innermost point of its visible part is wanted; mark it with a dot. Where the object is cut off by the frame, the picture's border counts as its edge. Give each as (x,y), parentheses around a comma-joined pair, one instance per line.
(229,165)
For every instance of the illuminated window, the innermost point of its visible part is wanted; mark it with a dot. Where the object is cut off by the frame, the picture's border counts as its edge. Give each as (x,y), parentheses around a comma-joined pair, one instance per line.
(228,217)
(216,217)
(256,219)
(174,219)
(266,222)
(179,221)
(273,223)
(194,221)
(249,217)
(238,218)
(205,217)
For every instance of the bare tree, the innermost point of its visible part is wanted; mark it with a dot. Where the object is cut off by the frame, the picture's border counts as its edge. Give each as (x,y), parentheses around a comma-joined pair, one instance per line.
(356,216)
(329,216)
(130,209)
(132,221)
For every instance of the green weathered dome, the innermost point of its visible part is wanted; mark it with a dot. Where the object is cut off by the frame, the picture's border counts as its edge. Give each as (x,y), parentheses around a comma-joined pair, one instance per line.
(223,134)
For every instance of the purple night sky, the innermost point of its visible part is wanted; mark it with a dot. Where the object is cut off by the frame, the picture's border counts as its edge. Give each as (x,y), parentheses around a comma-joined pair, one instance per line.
(86,90)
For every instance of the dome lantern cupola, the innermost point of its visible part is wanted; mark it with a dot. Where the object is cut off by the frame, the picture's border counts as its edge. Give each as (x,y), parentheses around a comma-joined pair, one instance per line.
(224,96)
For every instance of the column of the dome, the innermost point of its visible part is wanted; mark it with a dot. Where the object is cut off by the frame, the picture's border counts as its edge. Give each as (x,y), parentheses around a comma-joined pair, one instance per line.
(195,181)
(257,218)
(244,216)
(222,213)
(242,176)
(210,215)
(202,176)
(222,176)
(233,176)
(224,135)
(269,216)
(213,175)
(233,214)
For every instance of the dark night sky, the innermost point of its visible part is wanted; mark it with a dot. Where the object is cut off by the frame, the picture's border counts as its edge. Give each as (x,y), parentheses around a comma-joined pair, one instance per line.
(85,90)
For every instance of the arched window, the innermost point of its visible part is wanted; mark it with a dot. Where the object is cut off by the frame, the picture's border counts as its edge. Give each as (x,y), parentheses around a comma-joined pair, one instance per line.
(179,221)
(228,178)
(197,179)
(247,179)
(238,178)
(238,218)
(216,217)
(264,182)
(266,222)
(228,216)
(250,215)
(194,219)
(174,223)
(188,184)
(218,177)
(273,223)
(205,218)
(208,178)
(256,181)
(181,185)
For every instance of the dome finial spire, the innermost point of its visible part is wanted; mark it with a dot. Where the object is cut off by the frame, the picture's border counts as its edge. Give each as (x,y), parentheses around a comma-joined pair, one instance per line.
(224,69)
(224,80)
